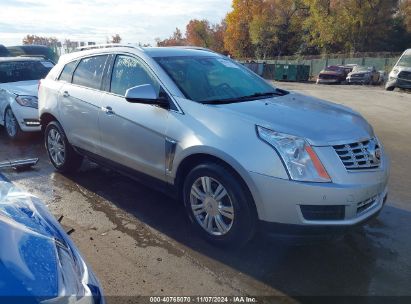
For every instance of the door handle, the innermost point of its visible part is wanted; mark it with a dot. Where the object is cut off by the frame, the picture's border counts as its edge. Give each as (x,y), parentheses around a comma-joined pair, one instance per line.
(108,110)
(66,94)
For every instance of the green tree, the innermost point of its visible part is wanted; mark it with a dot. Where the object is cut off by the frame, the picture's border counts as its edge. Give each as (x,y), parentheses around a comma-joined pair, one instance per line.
(202,33)
(199,33)
(237,40)
(276,28)
(349,25)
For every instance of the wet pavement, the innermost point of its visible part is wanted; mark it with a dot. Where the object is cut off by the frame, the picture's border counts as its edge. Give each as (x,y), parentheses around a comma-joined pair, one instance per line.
(139,241)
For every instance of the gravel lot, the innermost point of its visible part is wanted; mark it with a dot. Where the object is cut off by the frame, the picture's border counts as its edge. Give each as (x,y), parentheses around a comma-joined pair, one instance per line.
(139,242)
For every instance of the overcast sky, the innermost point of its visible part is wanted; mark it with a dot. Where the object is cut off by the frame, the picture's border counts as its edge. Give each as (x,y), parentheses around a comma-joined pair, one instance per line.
(94,20)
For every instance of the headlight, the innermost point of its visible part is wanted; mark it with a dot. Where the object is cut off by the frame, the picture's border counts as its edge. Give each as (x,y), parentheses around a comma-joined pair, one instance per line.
(27,101)
(299,158)
(395,71)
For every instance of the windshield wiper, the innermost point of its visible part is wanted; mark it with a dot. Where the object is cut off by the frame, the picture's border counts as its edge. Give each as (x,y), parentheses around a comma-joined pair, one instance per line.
(257,95)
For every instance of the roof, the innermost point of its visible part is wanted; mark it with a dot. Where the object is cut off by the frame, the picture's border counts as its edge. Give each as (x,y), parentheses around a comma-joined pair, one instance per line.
(177,51)
(23,58)
(149,51)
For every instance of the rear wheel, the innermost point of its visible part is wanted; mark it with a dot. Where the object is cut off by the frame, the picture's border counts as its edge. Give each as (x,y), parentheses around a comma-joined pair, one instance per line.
(61,154)
(11,125)
(218,205)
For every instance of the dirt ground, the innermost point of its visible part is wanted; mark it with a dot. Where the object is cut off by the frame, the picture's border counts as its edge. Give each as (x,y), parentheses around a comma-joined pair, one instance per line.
(139,241)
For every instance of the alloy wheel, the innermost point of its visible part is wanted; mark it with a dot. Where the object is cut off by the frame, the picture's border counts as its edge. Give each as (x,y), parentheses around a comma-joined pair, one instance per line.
(212,206)
(56,147)
(10,123)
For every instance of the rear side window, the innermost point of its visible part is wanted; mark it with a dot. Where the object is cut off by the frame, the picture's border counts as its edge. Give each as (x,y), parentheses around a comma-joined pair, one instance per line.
(89,72)
(67,72)
(129,72)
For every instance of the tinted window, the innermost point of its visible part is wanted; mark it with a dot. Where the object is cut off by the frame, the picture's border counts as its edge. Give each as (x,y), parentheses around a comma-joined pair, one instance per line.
(128,72)
(67,72)
(89,72)
(13,71)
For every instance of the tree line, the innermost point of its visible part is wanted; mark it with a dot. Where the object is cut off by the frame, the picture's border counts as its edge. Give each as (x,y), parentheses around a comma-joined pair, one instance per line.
(271,28)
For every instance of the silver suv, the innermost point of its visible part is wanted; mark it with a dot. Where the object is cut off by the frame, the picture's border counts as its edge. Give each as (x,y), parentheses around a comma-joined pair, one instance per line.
(240,153)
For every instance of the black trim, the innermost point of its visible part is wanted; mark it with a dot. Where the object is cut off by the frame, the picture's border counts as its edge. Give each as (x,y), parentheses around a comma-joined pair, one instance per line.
(149,181)
(107,72)
(170,153)
(291,230)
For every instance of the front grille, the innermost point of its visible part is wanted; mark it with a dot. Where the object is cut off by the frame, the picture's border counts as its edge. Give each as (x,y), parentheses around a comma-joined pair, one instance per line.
(357,75)
(323,213)
(364,205)
(405,75)
(359,156)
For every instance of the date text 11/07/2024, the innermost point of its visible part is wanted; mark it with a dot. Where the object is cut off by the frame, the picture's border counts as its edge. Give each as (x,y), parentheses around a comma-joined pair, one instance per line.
(203,299)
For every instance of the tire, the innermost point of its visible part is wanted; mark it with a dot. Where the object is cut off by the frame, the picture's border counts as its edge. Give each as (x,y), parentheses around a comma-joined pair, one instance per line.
(61,154)
(232,215)
(12,126)
(390,89)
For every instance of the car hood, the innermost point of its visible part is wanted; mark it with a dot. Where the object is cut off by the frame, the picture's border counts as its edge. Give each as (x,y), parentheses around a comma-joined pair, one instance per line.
(359,73)
(403,68)
(322,123)
(323,72)
(29,87)
(37,258)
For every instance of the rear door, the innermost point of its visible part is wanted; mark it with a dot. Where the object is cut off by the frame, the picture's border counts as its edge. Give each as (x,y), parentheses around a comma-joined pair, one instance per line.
(80,102)
(133,134)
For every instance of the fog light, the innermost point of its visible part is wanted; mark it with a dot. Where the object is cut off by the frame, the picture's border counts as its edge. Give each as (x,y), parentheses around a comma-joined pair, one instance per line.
(32,122)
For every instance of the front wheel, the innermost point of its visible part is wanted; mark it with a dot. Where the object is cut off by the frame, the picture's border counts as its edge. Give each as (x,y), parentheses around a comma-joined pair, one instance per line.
(390,89)
(11,125)
(218,205)
(61,154)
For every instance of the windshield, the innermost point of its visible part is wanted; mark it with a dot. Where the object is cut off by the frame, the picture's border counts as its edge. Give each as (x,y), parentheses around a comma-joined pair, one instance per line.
(405,61)
(13,71)
(214,79)
(361,69)
(334,68)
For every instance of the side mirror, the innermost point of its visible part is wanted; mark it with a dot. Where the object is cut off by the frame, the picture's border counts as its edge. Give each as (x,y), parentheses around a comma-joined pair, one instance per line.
(145,94)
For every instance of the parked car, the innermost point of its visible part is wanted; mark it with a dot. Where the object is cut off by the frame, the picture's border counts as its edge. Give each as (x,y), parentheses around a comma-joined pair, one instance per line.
(332,74)
(400,76)
(19,80)
(38,261)
(40,51)
(239,152)
(363,75)
(4,52)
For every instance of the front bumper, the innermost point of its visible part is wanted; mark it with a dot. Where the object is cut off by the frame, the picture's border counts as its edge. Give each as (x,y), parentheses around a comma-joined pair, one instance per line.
(327,81)
(358,80)
(286,202)
(28,118)
(398,83)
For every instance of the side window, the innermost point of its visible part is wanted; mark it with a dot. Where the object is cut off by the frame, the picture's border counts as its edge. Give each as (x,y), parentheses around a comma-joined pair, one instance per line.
(89,72)
(67,72)
(129,72)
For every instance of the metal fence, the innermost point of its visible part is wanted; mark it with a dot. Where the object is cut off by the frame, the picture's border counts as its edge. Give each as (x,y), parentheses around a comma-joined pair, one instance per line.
(266,68)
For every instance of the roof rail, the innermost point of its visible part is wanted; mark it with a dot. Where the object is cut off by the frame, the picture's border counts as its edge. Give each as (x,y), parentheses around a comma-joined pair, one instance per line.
(107,45)
(190,47)
(33,56)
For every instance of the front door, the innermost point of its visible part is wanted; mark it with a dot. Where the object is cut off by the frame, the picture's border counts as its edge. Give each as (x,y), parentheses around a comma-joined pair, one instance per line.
(132,134)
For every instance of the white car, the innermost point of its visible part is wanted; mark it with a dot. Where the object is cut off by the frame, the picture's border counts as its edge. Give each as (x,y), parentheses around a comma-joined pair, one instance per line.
(19,80)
